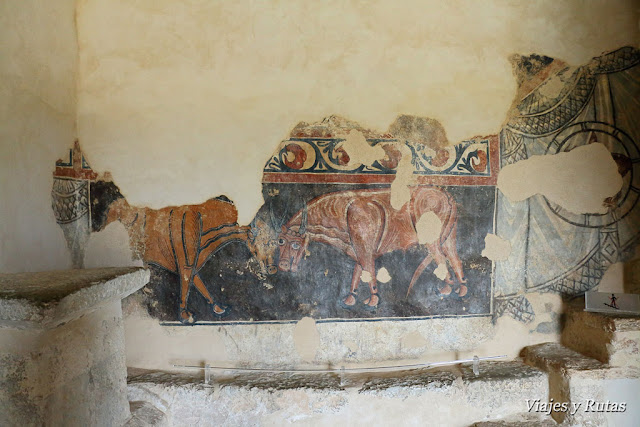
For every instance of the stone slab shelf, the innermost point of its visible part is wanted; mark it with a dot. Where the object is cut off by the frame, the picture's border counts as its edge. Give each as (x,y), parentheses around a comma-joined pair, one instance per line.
(415,397)
(48,299)
(576,378)
(62,358)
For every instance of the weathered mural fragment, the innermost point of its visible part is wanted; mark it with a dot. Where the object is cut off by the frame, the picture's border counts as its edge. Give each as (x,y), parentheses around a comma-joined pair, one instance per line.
(359,224)
(569,107)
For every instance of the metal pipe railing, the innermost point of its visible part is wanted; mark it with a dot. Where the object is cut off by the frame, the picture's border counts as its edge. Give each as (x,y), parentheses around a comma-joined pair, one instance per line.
(342,370)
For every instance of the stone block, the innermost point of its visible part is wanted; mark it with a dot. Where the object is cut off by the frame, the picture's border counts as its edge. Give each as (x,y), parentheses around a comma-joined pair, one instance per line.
(144,414)
(454,397)
(586,385)
(62,358)
(609,338)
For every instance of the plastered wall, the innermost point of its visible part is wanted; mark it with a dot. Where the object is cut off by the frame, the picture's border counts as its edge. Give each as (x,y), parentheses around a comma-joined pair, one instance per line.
(38,69)
(167,88)
(184,101)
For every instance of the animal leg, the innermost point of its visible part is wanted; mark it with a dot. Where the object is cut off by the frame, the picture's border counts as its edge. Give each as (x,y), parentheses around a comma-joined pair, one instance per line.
(350,300)
(199,284)
(182,229)
(451,252)
(425,262)
(374,299)
(185,316)
(366,222)
(434,249)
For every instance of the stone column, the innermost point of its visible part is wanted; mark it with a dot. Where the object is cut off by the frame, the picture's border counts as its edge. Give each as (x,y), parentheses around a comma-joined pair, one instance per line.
(62,358)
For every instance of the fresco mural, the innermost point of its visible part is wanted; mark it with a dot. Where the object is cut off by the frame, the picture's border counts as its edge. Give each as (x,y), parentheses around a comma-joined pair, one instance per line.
(364,225)
(70,201)
(598,102)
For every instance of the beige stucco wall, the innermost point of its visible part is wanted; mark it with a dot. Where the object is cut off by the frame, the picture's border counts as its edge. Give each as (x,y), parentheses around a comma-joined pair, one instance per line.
(37,124)
(182,101)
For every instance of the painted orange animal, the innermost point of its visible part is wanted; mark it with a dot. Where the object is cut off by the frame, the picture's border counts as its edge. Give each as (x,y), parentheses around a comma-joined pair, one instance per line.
(180,239)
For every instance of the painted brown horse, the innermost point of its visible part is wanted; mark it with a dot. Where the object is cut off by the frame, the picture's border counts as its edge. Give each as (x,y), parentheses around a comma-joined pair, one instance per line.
(364,225)
(181,239)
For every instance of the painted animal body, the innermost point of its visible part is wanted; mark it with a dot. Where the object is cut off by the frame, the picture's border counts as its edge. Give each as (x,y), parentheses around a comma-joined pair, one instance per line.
(181,239)
(364,225)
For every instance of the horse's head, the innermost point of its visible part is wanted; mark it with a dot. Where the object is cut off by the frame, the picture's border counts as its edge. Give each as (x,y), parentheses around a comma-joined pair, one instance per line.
(293,244)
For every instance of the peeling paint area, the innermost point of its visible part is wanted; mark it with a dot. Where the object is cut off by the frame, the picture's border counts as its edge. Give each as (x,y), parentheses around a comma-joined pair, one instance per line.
(429,228)
(341,200)
(383,275)
(413,340)
(306,338)
(360,151)
(568,185)
(496,248)
(582,181)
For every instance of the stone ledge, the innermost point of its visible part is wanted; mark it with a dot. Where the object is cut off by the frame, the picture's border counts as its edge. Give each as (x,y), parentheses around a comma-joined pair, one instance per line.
(576,378)
(375,382)
(500,390)
(556,357)
(609,338)
(47,299)
(520,420)
(144,414)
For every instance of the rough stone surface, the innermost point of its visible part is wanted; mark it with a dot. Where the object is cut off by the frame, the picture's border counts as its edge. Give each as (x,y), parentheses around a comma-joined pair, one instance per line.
(610,338)
(575,378)
(415,397)
(48,299)
(521,420)
(144,414)
(73,373)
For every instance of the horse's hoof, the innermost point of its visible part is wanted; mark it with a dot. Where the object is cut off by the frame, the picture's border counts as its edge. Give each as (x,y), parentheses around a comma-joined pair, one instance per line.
(343,302)
(446,290)
(462,290)
(371,307)
(186,317)
(219,311)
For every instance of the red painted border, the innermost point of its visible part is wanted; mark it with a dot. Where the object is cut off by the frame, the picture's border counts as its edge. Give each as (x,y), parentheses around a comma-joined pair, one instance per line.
(68,172)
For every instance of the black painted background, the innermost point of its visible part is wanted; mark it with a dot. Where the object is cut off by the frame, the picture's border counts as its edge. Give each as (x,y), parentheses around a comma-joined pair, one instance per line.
(324,277)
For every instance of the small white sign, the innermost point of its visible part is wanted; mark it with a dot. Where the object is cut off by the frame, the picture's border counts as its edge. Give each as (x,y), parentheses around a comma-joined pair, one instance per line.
(607,302)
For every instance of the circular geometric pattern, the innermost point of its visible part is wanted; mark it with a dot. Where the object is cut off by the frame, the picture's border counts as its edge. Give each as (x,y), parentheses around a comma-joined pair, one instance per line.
(626,155)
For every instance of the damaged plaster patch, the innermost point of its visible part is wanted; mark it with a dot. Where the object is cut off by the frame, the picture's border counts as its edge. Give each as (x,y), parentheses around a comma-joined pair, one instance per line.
(360,152)
(366,276)
(413,340)
(422,130)
(306,338)
(496,248)
(441,271)
(428,228)
(424,134)
(552,87)
(217,95)
(383,275)
(579,180)
(110,248)
(400,191)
